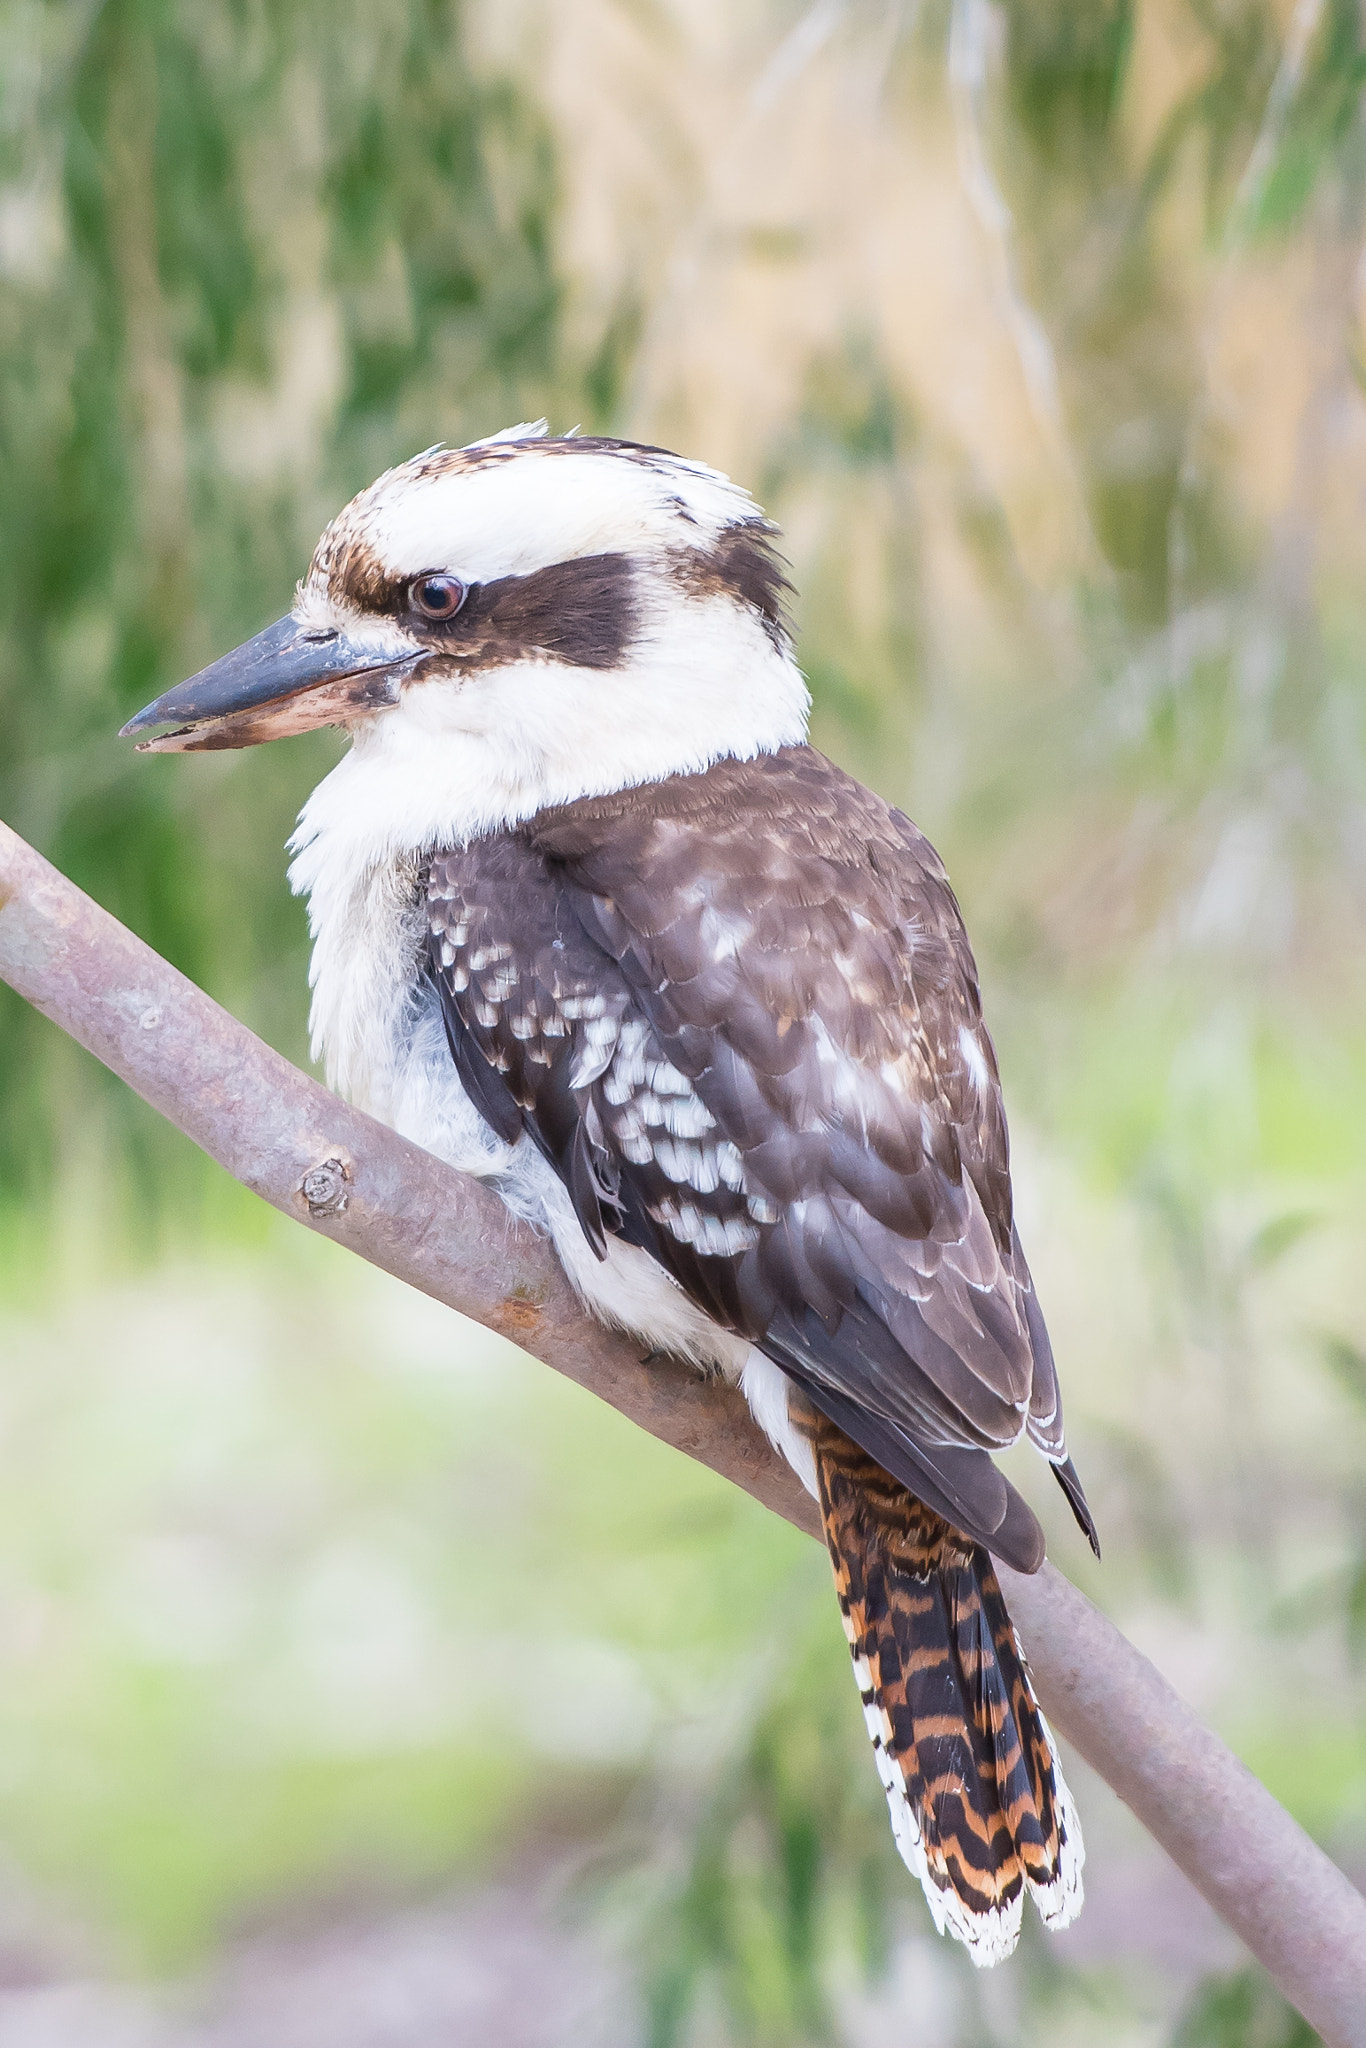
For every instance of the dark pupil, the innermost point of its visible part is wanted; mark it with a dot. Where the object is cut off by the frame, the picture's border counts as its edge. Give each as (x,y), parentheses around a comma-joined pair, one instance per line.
(439,596)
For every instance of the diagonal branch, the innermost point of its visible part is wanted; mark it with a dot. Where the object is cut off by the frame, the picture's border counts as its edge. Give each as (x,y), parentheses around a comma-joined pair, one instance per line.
(357,1182)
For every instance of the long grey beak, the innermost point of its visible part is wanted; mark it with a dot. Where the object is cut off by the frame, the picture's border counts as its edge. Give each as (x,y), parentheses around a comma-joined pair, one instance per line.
(286,679)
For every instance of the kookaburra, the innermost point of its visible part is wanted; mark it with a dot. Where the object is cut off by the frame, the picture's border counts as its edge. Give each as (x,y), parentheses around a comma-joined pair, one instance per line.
(593,921)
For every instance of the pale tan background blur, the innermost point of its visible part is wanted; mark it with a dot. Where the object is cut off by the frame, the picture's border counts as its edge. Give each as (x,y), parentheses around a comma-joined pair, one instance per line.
(359,1683)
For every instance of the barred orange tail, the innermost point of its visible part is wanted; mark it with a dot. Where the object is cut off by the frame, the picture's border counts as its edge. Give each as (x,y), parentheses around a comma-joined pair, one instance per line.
(979,1807)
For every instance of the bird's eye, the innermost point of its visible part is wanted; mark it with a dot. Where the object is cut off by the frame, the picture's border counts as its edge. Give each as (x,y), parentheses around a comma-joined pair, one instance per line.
(437,597)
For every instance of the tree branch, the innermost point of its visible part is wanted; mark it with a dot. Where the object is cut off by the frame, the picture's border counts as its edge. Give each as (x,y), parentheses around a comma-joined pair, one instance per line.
(357,1182)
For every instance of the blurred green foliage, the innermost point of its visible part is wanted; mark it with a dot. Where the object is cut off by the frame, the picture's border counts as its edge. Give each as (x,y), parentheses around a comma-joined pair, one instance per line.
(788,1863)
(249,255)
(270,247)
(1241,2012)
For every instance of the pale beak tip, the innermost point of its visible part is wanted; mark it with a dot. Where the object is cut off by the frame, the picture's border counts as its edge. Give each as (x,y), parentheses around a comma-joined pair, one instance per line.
(144,721)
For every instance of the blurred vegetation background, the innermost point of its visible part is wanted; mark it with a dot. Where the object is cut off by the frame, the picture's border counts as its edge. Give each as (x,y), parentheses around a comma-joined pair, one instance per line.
(351,1666)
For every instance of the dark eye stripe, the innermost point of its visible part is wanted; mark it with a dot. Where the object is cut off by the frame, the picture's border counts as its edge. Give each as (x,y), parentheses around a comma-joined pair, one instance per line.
(583,611)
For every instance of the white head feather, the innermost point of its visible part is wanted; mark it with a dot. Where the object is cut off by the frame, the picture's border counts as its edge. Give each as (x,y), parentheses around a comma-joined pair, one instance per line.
(704,674)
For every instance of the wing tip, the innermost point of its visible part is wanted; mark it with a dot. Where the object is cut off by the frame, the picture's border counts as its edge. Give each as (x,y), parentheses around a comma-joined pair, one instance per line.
(1065,1472)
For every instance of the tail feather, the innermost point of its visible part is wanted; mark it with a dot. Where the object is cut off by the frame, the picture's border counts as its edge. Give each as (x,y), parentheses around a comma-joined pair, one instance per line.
(979,1808)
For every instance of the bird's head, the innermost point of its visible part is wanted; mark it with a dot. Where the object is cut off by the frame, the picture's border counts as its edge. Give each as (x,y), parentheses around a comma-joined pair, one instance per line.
(610,609)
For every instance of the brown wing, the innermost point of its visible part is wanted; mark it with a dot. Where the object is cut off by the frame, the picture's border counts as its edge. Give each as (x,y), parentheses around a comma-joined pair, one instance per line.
(739,1012)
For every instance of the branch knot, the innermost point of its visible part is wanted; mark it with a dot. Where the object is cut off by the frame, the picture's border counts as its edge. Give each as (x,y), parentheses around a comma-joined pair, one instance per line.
(324,1188)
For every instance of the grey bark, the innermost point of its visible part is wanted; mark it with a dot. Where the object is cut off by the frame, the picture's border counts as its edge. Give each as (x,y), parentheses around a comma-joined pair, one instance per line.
(357,1182)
